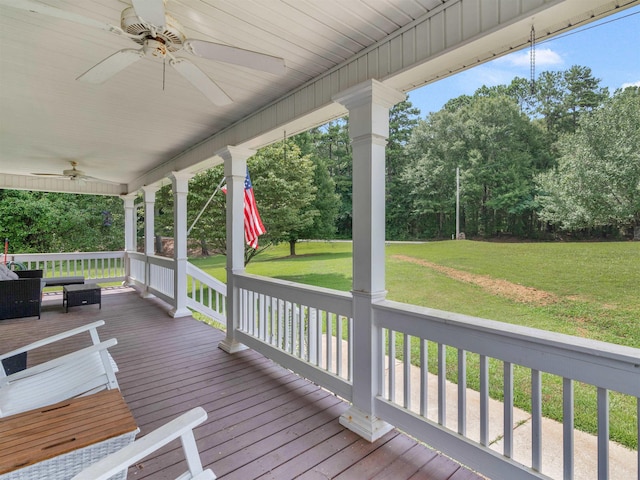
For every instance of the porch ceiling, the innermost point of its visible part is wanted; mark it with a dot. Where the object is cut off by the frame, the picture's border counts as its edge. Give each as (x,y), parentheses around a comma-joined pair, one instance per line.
(146,122)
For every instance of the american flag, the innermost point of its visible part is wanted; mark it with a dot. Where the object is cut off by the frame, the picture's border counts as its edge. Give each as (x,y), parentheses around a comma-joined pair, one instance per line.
(253,226)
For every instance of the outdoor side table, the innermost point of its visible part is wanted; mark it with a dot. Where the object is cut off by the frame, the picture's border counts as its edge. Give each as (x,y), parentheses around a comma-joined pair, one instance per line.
(77,295)
(60,440)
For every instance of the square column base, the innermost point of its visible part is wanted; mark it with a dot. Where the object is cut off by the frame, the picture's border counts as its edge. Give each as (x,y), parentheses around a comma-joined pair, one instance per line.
(367,426)
(179,312)
(231,346)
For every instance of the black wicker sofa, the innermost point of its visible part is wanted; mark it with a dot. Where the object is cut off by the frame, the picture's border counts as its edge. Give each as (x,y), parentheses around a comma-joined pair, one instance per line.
(21,297)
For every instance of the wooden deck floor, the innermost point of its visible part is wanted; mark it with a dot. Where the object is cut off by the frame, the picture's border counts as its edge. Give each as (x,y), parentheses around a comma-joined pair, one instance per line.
(264,421)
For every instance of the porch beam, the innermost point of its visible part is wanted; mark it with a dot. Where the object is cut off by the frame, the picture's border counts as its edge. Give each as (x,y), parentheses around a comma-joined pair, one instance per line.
(180,184)
(235,171)
(368,104)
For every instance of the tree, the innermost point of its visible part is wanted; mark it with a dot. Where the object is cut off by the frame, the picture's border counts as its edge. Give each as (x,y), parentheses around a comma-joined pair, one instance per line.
(597,181)
(403,118)
(333,145)
(435,149)
(284,188)
(498,150)
(562,97)
(61,222)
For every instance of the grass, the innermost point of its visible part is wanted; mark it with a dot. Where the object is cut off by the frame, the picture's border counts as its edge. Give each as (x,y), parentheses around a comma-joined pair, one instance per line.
(595,286)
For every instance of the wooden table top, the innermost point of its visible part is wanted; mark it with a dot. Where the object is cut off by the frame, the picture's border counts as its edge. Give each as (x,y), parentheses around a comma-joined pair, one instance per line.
(37,435)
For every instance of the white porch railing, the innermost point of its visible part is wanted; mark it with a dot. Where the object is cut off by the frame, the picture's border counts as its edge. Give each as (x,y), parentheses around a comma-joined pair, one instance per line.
(94,266)
(206,294)
(152,274)
(405,404)
(155,275)
(310,330)
(284,321)
(302,328)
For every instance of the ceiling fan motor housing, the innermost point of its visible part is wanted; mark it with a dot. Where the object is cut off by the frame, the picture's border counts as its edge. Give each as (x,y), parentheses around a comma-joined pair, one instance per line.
(171,36)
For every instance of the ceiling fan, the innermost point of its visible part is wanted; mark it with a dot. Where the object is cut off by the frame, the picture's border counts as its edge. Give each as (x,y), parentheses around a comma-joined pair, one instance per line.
(74,174)
(147,23)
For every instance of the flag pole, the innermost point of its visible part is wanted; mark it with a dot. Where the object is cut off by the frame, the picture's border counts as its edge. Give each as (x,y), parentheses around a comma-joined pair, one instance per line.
(205,206)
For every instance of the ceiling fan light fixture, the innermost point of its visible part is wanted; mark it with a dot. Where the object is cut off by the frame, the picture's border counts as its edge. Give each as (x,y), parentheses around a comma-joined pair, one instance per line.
(155,48)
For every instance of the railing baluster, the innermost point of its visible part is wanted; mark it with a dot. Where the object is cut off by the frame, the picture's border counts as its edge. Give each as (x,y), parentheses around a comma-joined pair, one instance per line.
(424,376)
(262,327)
(329,343)
(275,318)
(281,322)
(406,354)
(484,400)
(300,322)
(567,427)
(536,420)
(392,367)
(462,392)
(291,337)
(322,319)
(442,384)
(339,345)
(312,336)
(304,332)
(350,350)
(603,434)
(508,409)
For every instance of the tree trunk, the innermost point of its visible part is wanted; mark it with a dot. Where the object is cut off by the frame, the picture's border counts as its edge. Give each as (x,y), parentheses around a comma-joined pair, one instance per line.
(158,244)
(292,248)
(203,246)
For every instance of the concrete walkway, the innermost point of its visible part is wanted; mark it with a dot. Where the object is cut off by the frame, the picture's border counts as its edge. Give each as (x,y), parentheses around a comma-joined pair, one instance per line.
(623,462)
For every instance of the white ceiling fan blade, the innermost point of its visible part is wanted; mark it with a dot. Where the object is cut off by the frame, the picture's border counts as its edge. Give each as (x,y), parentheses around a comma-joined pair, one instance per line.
(236,56)
(201,81)
(111,65)
(37,7)
(150,11)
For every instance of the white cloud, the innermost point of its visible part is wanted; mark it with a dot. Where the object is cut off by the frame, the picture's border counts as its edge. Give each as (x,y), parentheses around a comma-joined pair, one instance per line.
(632,84)
(545,57)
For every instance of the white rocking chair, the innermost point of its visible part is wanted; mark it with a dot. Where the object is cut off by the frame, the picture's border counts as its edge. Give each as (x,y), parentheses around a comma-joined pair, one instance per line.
(181,427)
(79,373)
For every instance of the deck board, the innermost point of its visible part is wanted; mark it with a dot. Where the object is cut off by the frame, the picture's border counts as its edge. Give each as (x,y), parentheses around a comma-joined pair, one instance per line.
(264,421)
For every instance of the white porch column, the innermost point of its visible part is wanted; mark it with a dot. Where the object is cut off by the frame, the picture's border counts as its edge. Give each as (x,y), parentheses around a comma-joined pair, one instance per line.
(180,184)
(129,232)
(235,171)
(149,231)
(368,104)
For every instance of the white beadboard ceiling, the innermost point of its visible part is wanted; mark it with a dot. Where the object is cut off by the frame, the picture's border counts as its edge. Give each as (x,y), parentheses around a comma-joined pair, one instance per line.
(147,120)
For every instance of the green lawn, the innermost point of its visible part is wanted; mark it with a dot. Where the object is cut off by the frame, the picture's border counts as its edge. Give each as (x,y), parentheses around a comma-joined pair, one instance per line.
(595,285)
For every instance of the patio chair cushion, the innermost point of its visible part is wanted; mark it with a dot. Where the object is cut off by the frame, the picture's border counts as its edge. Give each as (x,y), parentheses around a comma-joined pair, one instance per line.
(7,273)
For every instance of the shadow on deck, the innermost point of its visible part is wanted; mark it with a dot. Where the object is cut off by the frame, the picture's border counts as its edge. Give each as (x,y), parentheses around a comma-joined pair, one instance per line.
(264,421)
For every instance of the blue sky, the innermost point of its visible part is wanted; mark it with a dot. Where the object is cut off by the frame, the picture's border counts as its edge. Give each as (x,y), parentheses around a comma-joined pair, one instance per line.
(610,47)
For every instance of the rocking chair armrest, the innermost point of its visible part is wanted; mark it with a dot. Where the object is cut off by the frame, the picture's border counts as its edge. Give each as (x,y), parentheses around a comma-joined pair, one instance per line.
(76,356)
(46,341)
(180,427)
